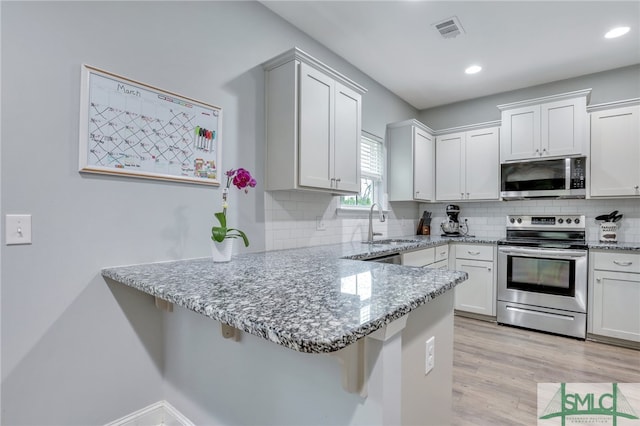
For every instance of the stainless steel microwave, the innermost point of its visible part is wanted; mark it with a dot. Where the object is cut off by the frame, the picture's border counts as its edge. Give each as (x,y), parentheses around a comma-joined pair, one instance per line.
(558,178)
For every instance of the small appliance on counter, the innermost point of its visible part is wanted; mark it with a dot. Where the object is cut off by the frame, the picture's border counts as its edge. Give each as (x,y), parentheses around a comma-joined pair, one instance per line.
(609,227)
(451,226)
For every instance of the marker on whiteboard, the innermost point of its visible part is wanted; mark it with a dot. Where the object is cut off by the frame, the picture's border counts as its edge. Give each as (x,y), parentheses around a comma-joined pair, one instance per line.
(195,138)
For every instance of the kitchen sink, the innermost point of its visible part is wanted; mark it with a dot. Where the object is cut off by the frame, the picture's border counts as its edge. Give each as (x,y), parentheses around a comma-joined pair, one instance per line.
(390,242)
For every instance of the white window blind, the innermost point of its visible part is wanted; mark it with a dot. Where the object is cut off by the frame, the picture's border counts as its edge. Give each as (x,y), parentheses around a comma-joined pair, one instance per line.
(371,158)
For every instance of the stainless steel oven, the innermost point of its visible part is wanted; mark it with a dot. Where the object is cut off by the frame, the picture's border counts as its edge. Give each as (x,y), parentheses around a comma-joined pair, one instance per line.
(542,274)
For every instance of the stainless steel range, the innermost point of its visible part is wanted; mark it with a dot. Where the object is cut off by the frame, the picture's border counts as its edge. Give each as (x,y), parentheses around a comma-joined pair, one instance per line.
(542,274)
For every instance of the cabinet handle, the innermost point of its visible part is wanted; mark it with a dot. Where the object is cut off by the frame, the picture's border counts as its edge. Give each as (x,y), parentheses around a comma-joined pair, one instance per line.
(538,151)
(337,180)
(333,181)
(462,195)
(473,253)
(488,269)
(598,279)
(636,187)
(467,195)
(619,263)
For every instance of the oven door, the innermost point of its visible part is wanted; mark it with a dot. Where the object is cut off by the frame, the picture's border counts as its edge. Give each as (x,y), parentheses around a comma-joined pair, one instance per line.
(545,277)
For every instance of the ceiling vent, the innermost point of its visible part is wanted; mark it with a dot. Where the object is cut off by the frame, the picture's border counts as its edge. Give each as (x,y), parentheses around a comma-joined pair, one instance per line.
(449,28)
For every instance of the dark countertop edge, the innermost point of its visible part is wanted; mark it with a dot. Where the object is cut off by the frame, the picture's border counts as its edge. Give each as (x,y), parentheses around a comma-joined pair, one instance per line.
(619,246)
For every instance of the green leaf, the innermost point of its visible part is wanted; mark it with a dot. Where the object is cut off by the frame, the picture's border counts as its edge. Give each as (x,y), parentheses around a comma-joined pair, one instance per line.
(219,233)
(241,234)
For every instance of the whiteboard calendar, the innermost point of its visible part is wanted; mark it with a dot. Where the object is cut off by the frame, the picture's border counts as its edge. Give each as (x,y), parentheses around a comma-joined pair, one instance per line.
(133,129)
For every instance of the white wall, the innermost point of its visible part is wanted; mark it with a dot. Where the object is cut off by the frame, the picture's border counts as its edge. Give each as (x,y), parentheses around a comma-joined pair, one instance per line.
(608,86)
(74,349)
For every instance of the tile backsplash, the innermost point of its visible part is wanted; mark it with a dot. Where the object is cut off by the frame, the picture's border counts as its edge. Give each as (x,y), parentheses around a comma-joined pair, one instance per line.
(488,219)
(292,218)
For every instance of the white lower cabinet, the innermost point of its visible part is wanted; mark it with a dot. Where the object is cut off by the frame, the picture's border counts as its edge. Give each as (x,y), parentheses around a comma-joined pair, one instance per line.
(432,257)
(477,294)
(614,288)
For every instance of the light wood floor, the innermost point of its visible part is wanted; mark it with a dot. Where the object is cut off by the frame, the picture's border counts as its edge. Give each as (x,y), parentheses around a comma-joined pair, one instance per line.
(496,370)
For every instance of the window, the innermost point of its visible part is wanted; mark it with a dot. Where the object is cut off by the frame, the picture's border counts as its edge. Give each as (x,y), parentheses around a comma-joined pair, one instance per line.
(371,170)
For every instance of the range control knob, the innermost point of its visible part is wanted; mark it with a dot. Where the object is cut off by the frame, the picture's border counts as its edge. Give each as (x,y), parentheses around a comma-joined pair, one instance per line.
(519,220)
(512,220)
(568,220)
(576,220)
(560,220)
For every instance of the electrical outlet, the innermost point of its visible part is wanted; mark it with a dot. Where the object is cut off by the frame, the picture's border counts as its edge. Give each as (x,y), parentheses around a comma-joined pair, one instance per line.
(430,355)
(320,225)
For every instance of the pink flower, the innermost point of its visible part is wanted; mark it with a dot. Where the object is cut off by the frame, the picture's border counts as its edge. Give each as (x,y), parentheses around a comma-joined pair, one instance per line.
(243,178)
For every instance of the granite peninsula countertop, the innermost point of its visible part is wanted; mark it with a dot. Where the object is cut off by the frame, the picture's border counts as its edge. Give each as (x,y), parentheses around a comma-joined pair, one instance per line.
(315,299)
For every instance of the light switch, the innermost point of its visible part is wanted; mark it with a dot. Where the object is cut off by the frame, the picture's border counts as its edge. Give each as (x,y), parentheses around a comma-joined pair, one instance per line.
(18,229)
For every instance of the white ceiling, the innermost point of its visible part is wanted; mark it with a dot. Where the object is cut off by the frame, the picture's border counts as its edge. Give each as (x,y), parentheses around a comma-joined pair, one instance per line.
(518,43)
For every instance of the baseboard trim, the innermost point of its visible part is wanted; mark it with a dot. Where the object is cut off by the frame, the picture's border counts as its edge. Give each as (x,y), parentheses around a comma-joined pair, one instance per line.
(160,413)
(473,315)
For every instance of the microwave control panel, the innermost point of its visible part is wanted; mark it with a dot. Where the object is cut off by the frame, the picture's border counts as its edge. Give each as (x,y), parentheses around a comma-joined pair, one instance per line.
(578,173)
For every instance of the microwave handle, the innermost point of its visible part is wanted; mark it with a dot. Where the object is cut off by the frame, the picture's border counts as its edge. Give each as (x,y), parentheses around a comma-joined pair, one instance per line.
(525,252)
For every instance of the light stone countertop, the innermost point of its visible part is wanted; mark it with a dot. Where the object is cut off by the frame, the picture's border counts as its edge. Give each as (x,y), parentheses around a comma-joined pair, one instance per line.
(619,246)
(316,299)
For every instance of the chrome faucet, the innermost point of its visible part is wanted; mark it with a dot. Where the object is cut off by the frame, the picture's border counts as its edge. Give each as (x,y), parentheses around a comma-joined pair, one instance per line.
(382,219)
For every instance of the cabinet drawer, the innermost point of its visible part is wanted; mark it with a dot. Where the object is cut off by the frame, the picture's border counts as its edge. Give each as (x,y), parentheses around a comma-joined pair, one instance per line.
(419,257)
(442,264)
(441,253)
(475,252)
(617,261)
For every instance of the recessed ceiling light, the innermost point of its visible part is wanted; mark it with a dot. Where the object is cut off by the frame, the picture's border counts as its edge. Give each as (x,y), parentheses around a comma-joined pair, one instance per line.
(473,69)
(617,32)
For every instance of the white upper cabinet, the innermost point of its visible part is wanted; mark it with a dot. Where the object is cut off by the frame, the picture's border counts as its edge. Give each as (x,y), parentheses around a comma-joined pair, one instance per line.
(410,152)
(550,127)
(615,151)
(468,165)
(313,121)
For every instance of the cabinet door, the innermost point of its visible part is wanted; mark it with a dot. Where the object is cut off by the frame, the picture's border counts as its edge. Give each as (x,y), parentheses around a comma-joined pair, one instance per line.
(563,127)
(615,305)
(520,133)
(449,167)
(482,165)
(316,128)
(476,294)
(423,166)
(347,139)
(615,152)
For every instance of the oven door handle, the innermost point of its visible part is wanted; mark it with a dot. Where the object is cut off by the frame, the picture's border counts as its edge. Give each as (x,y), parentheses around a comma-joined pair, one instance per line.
(560,254)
